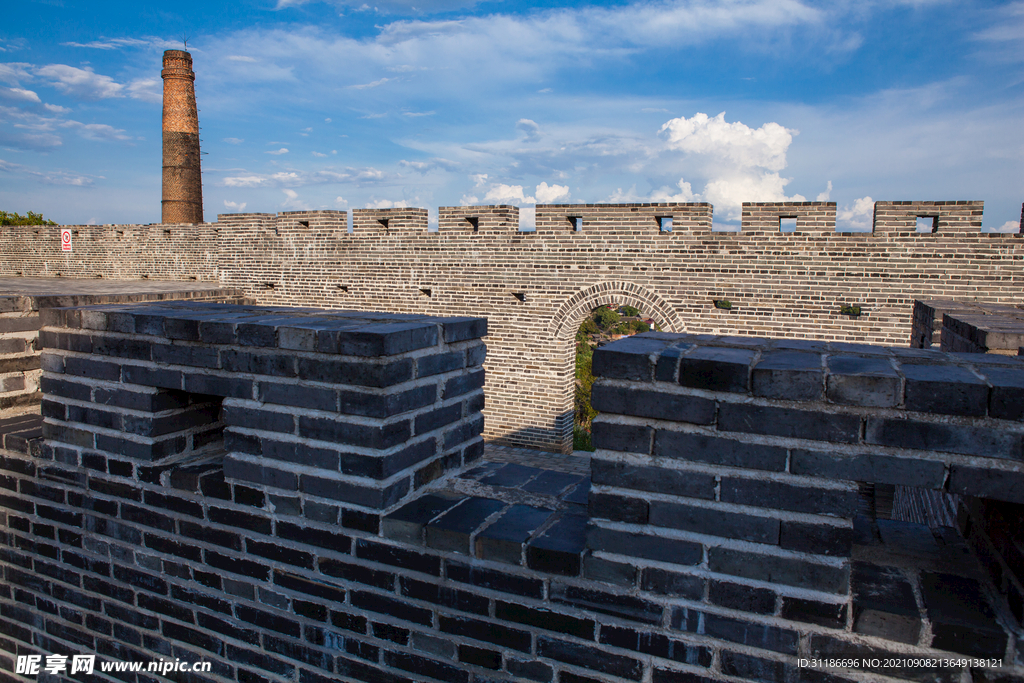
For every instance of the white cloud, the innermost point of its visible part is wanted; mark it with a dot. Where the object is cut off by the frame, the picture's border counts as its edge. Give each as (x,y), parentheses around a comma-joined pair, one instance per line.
(1009,226)
(13,73)
(56,108)
(235,206)
(318,154)
(373,84)
(241,58)
(234,141)
(530,128)
(528,218)
(549,195)
(55,177)
(665,194)
(507,194)
(741,164)
(283,150)
(764,147)
(244,181)
(19,94)
(302,178)
(83,83)
(414,114)
(293,203)
(387,204)
(856,217)
(146,89)
(824,196)
(341,202)
(119,43)
(96,131)
(478,179)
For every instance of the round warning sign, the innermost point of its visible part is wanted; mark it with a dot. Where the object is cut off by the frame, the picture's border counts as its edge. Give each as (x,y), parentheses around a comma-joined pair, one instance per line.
(65,239)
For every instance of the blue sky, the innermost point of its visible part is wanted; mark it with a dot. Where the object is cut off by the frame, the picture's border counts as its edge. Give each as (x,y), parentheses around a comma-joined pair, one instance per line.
(341,104)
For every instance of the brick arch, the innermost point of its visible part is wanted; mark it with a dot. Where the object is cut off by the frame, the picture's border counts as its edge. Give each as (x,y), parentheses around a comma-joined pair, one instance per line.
(569,316)
(566,322)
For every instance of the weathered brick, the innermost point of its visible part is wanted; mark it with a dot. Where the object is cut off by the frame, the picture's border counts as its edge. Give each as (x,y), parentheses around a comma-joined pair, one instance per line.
(802,424)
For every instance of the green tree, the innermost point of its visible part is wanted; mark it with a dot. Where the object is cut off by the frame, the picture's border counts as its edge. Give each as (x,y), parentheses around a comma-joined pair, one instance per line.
(629,311)
(584,412)
(15,218)
(606,317)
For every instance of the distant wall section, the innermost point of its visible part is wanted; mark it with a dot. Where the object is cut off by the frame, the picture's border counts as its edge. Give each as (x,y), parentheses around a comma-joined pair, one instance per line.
(811,282)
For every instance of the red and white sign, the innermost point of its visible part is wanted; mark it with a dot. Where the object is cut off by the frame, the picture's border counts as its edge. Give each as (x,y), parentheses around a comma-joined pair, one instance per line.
(65,239)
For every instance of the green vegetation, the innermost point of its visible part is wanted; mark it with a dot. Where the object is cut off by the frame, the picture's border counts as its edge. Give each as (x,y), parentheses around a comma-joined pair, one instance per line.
(849,310)
(14,218)
(606,317)
(599,327)
(723,303)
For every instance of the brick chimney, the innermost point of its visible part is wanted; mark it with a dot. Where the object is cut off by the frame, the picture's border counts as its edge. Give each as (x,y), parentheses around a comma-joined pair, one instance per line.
(182,177)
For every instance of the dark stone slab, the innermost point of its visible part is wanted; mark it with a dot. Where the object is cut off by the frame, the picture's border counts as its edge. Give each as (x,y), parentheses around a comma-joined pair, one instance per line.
(788,375)
(716,369)
(655,404)
(452,531)
(884,603)
(550,482)
(503,540)
(962,620)
(863,381)
(560,548)
(1006,400)
(945,389)
(407,522)
(718,451)
(629,358)
(510,475)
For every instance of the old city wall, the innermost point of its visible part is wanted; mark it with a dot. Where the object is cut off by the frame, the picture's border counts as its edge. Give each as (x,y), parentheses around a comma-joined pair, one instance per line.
(536,287)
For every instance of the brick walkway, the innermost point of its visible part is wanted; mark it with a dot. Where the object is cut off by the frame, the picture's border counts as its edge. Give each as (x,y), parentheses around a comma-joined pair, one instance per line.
(577,463)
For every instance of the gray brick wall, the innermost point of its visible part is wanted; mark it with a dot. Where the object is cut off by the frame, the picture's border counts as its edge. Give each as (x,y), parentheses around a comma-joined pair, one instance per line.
(717,547)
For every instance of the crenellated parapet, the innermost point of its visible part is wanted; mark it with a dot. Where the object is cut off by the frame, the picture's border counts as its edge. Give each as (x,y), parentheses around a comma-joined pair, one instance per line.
(535,287)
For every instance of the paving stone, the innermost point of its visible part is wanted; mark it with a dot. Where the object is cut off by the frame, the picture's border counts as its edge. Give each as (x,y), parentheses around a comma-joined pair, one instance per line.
(510,475)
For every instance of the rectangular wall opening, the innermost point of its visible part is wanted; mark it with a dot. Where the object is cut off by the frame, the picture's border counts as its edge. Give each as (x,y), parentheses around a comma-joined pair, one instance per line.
(787,223)
(926,223)
(665,223)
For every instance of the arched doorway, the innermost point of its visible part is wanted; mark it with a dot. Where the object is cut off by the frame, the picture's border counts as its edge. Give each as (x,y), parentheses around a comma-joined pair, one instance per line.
(566,323)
